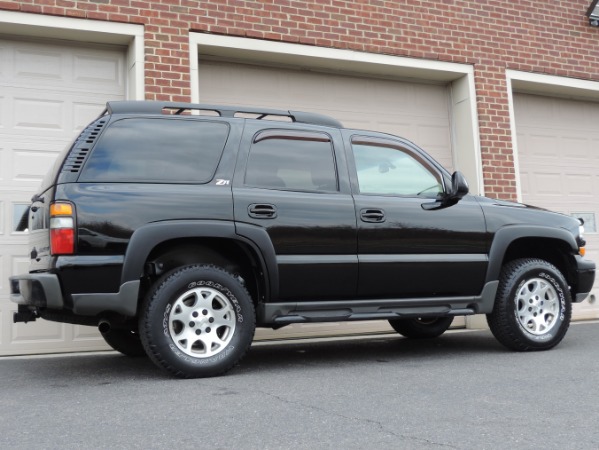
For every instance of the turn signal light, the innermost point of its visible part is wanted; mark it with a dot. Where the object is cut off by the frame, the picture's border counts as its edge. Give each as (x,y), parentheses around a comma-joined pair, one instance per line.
(582,251)
(61,209)
(62,229)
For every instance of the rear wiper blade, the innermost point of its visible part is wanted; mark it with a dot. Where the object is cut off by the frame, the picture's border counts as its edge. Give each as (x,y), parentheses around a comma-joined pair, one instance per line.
(37,198)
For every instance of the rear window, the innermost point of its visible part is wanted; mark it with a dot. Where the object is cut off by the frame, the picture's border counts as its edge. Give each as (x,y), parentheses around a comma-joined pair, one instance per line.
(157,151)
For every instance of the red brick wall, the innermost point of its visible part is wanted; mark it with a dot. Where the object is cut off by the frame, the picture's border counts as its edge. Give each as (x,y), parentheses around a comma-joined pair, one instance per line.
(543,36)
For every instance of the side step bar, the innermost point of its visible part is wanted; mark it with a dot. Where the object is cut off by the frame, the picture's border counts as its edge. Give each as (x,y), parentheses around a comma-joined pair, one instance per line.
(342,316)
(284,313)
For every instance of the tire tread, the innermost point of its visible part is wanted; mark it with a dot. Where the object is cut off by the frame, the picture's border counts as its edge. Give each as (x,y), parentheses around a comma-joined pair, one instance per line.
(499,320)
(149,304)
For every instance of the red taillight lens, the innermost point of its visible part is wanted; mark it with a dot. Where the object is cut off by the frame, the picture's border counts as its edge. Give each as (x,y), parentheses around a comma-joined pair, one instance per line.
(62,229)
(62,241)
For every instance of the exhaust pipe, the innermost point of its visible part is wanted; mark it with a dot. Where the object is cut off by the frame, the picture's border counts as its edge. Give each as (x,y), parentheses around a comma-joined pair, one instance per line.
(104,326)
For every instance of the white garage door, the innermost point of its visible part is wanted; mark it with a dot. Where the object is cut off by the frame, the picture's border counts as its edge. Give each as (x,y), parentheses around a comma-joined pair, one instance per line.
(558,150)
(48,93)
(419,112)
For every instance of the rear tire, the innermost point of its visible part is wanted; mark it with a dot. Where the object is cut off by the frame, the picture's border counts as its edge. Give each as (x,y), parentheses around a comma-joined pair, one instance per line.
(533,306)
(197,321)
(421,327)
(126,342)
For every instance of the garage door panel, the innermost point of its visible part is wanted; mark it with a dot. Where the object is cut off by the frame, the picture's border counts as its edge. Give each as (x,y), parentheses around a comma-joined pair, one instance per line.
(547,185)
(104,71)
(546,146)
(580,185)
(43,331)
(38,115)
(46,64)
(27,163)
(49,114)
(415,111)
(50,91)
(31,165)
(558,152)
(50,67)
(4,169)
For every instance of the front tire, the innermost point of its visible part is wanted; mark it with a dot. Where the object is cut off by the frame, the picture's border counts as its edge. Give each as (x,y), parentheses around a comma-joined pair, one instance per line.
(421,327)
(197,321)
(533,306)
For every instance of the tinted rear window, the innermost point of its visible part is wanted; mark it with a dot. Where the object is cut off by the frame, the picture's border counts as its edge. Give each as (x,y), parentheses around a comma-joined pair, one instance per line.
(157,151)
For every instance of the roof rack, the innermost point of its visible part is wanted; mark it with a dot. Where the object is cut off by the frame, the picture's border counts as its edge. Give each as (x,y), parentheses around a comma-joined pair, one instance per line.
(157,107)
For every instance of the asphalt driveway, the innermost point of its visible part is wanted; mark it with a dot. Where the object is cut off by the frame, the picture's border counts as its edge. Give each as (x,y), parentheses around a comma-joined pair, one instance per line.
(462,390)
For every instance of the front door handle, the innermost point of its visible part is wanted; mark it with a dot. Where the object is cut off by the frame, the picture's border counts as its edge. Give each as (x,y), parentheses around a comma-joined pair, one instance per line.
(372,215)
(262,211)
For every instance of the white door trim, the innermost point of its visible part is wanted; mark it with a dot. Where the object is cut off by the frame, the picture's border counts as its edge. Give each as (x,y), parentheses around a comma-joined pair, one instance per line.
(82,30)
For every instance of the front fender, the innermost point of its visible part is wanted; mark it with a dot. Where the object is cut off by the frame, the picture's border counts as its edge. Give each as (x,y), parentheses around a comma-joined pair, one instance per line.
(508,234)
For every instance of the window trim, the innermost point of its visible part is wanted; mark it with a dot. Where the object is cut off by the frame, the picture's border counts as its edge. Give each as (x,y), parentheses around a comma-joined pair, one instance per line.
(293,135)
(422,158)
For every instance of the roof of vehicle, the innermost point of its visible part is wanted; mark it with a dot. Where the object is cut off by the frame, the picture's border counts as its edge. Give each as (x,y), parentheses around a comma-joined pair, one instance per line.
(158,107)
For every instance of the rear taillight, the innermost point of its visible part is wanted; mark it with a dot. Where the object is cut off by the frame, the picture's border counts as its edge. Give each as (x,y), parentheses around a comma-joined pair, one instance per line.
(62,229)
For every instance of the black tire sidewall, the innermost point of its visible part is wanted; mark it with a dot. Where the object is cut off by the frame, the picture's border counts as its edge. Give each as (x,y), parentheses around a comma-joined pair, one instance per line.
(415,329)
(125,342)
(513,334)
(155,321)
(557,331)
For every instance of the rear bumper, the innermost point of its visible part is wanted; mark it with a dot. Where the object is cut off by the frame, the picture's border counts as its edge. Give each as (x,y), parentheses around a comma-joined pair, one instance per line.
(585,273)
(42,290)
(37,289)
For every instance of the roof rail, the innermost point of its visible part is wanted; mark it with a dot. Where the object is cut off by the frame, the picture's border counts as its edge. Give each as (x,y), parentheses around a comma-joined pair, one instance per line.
(157,107)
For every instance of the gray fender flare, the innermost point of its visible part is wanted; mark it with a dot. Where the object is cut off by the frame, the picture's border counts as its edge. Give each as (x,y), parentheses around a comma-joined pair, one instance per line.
(145,238)
(505,236)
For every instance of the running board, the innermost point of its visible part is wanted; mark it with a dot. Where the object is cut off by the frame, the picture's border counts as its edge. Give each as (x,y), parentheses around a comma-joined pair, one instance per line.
(282,314)
(343,315)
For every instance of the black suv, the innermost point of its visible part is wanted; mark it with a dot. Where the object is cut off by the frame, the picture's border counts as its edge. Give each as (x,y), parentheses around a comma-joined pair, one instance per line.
(179,228)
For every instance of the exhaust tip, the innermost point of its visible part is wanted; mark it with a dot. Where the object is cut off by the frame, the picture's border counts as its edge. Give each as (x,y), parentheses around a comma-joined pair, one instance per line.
(104,326)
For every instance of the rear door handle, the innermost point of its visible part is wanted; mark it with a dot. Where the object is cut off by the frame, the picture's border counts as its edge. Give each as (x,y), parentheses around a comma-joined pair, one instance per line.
(262,211)
(372,215)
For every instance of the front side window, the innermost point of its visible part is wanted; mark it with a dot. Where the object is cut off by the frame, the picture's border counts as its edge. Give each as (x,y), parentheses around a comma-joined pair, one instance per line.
(157,151)
(393,170)
(291,161)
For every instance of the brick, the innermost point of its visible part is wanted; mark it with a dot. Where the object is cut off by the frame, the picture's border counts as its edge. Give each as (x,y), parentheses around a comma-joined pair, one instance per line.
(492,35)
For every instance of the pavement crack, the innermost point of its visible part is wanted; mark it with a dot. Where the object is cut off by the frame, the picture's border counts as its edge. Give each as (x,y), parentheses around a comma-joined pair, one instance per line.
(381,426)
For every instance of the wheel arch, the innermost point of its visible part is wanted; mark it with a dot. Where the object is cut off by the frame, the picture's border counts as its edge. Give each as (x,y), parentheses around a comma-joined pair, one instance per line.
(177,243)
(555,245)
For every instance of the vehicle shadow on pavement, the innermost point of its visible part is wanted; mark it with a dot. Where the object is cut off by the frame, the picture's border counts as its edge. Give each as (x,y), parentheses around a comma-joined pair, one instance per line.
(95,369)
(87,369)
(384,349)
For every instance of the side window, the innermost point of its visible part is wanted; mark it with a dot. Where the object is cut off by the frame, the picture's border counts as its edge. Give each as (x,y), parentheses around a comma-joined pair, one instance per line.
(393,170)
(157,151)
(291,160)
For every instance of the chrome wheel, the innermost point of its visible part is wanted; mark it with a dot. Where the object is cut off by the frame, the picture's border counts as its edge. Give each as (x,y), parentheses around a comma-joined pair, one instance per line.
(537,306)
(202,322)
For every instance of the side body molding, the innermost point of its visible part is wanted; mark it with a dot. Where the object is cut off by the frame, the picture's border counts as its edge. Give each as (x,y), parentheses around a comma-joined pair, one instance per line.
(508,234)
